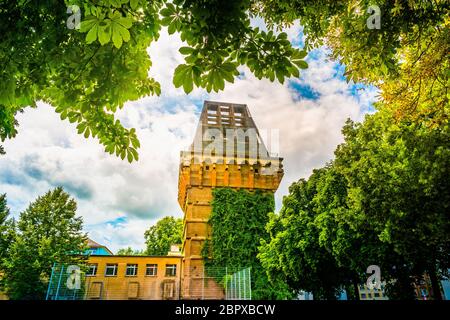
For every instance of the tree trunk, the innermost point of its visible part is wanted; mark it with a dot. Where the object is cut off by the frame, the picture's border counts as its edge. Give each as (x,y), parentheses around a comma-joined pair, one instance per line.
(356,289)
(435,284)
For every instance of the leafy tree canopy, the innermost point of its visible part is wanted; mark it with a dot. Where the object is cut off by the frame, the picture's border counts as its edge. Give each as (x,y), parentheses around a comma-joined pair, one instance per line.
(129,252)
(89,70)
(398,186)
(7,233)
(383,201)
(297,250)
(47,232)
(166,232)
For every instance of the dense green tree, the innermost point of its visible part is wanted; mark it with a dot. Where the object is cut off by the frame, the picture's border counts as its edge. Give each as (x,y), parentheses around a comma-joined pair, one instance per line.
(297,250)
(129,252)
(90,69)
(159,237)
(238,220)
(48,232)
(398,185)
(383,201)
(7,228)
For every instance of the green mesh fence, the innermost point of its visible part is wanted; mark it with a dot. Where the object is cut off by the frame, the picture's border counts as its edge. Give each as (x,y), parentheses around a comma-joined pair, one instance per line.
(235,283)
(67,282)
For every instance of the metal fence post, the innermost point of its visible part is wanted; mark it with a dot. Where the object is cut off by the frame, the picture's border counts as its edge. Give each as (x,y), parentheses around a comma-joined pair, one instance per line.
(50,283)
(250,281)
(245,287)
(239,283)
(59,282)
(226,283)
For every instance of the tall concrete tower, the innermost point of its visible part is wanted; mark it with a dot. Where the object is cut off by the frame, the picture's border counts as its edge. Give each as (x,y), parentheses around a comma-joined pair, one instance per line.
(227,151)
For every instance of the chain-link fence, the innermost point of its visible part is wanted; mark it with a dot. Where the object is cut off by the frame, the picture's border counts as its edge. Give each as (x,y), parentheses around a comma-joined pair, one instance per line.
(66,283)
(218,283)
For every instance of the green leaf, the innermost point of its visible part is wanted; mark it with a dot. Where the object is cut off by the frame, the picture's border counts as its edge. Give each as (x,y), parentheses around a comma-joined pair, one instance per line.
(92,34)
(186,50)
(135,153)
(135,142)
(126,22)
(86,25)
(117,36)
(172,28)
(125,34)
(183,76)
(188,84)
(134,4)
(104,34)
(301,64)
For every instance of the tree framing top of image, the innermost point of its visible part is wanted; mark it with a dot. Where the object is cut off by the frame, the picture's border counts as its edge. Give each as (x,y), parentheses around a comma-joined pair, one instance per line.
(90,69)
(88,57)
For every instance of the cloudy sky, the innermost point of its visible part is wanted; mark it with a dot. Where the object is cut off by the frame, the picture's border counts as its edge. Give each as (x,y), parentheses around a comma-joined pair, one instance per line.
(119,201)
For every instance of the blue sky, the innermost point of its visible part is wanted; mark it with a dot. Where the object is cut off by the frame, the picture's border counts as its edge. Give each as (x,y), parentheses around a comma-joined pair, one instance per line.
(119,201)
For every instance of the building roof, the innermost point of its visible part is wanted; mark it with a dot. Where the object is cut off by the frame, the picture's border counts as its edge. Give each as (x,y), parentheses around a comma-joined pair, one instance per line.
(226,132)
(92,244)
(134,256)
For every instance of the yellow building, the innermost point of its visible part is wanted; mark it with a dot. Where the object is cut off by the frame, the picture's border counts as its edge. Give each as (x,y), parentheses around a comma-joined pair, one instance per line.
(366,293)
(112,277)
(227,151)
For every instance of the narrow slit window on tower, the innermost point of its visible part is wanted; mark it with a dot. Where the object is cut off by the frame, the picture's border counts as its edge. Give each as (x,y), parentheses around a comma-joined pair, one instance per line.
(212,120)
(212,109)
(238,111)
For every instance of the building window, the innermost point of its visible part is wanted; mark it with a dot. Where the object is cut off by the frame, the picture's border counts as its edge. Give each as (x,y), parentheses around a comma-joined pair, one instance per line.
(111,270)
(151,270)
(171,270)
(131,270)
(92,270)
